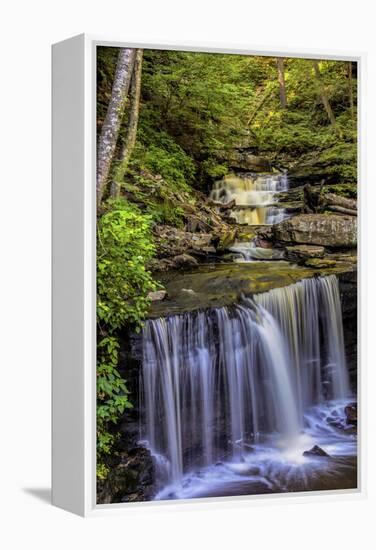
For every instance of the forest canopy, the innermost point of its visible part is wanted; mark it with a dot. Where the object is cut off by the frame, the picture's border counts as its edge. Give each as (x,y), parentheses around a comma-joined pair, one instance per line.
(197,108)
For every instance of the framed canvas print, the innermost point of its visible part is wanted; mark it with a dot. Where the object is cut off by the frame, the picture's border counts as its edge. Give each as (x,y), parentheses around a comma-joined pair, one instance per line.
(205,289)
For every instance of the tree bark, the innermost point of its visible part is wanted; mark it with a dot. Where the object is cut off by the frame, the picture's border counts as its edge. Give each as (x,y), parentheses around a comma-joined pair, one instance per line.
(323,95)
(315,201)
(131,134)
(333,199)
(342,210)
(115,111)
(281,81)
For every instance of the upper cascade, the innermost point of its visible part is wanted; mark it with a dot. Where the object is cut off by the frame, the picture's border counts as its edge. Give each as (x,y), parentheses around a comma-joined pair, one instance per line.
(255,196)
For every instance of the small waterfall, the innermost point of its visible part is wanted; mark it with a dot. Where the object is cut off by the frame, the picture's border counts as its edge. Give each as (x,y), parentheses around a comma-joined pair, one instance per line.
(217,382)
(255,197)
(249,251)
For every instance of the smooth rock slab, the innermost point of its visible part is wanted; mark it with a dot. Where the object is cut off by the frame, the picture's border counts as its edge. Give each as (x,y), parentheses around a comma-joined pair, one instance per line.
(331,230)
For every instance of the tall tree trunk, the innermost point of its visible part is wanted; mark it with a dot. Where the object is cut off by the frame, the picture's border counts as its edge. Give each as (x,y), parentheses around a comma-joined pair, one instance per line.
(130,138)
(281,81)
(115,111)
(323,95)
(351,95)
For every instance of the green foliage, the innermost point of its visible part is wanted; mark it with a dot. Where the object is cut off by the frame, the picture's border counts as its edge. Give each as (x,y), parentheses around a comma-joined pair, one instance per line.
(214,169)
(112,398)
(341,160)
(197,107)
(158,153)
(304,125)
(166,212)
(209,104)
(348,190)
(124,247)
(198,100)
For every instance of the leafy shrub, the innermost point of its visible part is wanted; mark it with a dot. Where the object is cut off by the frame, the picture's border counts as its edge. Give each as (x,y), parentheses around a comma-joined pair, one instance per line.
(214,169)
(166,212)
(124,248)
(158,153)
(123,282)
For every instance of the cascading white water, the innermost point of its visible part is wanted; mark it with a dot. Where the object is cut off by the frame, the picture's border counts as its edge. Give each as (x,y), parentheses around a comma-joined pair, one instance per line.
(218,382)
(310,317)
(255,197)
(250,252)
(256,203)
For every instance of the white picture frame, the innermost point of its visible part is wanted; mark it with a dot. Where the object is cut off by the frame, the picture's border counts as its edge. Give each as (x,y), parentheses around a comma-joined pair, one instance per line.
(74,281)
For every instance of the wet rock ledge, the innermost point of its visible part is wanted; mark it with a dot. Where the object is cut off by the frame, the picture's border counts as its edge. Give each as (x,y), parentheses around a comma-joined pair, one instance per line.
(217,285)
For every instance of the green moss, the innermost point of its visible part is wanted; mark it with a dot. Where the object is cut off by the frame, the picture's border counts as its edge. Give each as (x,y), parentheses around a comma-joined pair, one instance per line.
(347,190)
(319,263)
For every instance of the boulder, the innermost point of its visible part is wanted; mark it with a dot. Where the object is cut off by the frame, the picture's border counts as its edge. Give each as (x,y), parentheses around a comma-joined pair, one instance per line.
(171,241)
(300,252)
(224,239)
(202,243)
(184,260)
(243,160)
(157,295)
(315,451)
(331,230)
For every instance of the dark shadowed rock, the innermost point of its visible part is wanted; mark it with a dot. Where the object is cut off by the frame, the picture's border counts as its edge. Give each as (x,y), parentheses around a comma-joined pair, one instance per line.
(131,480)
(315,451)
(184,260)
(303,252)
(351,413)
(335,231)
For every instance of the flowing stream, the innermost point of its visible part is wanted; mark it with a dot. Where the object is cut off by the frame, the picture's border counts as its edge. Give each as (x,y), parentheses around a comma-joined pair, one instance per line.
(233,396)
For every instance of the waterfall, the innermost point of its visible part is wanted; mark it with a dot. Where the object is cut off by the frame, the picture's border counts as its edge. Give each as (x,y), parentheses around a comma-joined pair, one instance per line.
(217,382)
(255,197)
(256,203)
(250,252)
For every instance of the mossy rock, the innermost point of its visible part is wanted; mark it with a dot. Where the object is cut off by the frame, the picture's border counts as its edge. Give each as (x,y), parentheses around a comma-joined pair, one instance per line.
(217,285)
(335,164)
(319,263)
(225,239)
